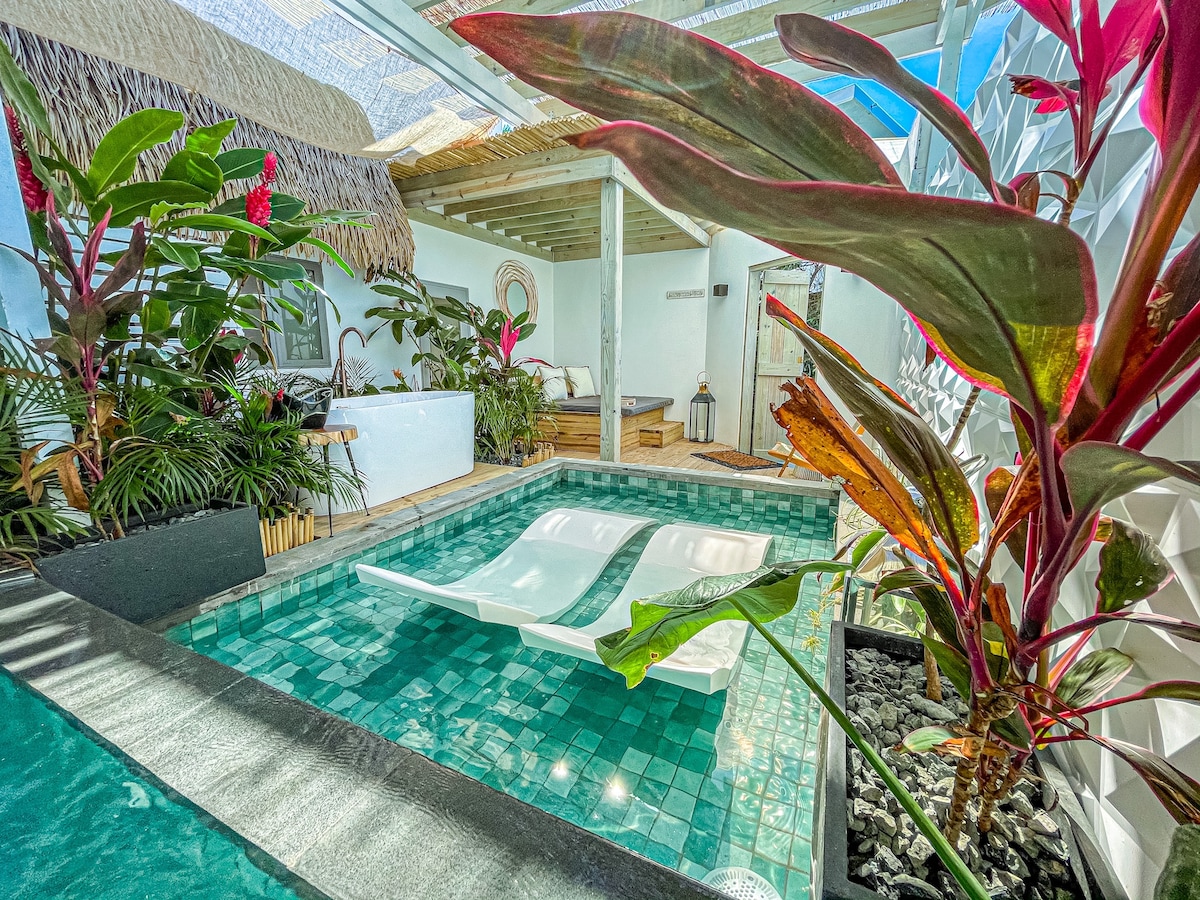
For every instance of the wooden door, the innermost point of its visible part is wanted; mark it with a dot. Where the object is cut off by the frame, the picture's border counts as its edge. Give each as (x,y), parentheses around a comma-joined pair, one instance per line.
(779,357)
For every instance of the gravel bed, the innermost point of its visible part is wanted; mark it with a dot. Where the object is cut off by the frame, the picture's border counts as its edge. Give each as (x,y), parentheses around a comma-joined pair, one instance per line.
(1023,857)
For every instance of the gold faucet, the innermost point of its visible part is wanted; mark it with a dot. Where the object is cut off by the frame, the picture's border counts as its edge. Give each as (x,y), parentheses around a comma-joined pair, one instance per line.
(339,368)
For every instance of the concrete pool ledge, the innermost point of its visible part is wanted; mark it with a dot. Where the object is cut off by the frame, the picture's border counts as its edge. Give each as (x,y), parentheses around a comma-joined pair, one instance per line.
(285,566)
(353,814)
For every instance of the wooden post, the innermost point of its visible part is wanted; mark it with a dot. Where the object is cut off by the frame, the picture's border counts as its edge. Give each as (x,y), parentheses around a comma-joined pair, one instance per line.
(612,236)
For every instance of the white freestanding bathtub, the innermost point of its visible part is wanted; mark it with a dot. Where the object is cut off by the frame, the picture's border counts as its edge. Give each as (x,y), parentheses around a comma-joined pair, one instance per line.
(406,442)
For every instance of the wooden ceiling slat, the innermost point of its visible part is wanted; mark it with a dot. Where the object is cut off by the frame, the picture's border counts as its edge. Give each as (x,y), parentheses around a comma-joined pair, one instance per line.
(583,221)
(569,193)
(552,233)
(536,214)
(593,252)
(592,236)
(586,195)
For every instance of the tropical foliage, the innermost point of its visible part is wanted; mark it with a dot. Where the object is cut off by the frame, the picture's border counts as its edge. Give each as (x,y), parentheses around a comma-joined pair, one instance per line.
(510,410)
(1002,290)
(155,292)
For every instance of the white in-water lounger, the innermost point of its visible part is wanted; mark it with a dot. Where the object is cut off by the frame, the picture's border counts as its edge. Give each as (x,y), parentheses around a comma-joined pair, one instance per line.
(676,556)
(537,578)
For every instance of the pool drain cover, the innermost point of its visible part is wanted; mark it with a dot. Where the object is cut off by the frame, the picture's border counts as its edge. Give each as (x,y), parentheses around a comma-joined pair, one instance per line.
(741,883)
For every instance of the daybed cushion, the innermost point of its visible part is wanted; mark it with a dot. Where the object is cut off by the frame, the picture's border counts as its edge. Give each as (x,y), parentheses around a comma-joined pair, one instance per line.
(591,405)
(579,380)
(554,383)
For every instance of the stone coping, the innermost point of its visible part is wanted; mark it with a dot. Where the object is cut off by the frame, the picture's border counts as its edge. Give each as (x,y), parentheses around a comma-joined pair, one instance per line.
(351,813)
(354,538)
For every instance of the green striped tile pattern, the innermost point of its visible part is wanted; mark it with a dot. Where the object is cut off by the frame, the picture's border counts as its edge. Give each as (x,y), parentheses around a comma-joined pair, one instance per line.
(692,781)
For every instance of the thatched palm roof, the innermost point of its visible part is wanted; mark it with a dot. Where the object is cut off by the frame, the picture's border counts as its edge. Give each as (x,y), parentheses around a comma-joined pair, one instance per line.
(187,65)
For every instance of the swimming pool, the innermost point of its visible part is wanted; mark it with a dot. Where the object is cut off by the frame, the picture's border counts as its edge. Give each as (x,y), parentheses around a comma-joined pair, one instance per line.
(79,823)
(694,782)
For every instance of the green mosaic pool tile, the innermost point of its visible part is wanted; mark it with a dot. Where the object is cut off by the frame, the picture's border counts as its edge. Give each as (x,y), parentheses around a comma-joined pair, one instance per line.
(679,803)
(799,886)
(538,726)
(741,831)
(689,781)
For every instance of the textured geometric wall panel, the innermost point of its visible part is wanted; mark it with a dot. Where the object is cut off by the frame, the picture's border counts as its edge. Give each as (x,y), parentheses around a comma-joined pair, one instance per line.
(1129,820)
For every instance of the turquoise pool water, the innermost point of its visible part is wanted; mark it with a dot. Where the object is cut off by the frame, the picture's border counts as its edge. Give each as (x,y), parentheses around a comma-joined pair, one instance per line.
(692,781)
(78,823)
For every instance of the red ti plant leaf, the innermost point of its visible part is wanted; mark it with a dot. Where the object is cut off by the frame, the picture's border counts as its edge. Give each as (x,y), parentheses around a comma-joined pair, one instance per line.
(1028,188)
(1132,568)
(1171,110)
(1056,96)
(1187,691)
(622,66)
(1056,15)
(1014,527)
(911,444)
(1161,347)
(827,45)
(830,446)
(1187,631)
(1092,676)
(1009,300)
(1098,472)
(1178,792)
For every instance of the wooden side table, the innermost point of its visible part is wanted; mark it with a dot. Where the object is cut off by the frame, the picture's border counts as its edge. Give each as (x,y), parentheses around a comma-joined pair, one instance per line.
(334,434)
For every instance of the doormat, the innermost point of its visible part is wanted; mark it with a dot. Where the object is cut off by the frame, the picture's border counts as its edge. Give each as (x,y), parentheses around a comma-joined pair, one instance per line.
(735,459)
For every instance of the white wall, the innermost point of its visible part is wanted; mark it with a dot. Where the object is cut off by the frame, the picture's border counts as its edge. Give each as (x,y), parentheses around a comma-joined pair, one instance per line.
(663,342)
(441,257)
(730,258)
(453,259)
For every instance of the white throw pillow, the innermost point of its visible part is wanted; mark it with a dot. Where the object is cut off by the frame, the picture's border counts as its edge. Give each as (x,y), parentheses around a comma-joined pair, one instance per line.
(579,380)
(554,383)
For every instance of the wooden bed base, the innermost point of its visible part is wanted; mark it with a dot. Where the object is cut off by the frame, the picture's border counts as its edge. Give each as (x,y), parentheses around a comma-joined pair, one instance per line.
(581,431)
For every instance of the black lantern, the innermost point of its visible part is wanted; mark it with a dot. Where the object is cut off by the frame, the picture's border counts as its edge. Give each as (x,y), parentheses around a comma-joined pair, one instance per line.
(703,418)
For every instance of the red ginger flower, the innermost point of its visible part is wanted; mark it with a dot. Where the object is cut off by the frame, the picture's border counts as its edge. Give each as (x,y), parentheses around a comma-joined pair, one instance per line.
(258,205)
(33,192)
(270,164)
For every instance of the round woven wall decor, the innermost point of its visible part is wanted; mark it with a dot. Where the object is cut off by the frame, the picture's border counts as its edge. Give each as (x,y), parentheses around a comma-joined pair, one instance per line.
(512,273)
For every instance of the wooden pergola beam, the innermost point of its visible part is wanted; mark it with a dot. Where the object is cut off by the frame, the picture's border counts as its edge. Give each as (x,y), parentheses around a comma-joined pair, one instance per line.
(537,216)
(592,251)
(520,217)
(484,208)
(591,236)
(555,189)
(678,219)
(537,170)
(559,229)
(612,254)
(457,226)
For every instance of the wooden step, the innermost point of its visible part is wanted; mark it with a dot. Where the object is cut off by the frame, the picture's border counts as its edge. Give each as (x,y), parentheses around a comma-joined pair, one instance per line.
(660,434)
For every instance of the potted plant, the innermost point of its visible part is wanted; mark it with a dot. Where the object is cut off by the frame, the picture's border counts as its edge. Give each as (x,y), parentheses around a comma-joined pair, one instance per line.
(266,466)
(1007,298)
(134,456)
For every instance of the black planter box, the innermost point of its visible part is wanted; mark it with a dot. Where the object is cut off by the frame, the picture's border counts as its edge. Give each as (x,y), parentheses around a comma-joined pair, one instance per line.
(146,575)
(830,851)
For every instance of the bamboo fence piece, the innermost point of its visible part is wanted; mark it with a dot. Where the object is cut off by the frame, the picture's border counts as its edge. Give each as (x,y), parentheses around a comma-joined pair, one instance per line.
(287,532)
(511,144)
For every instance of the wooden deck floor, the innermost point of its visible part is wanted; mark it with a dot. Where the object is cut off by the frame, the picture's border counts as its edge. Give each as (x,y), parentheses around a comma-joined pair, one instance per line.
(677,455)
